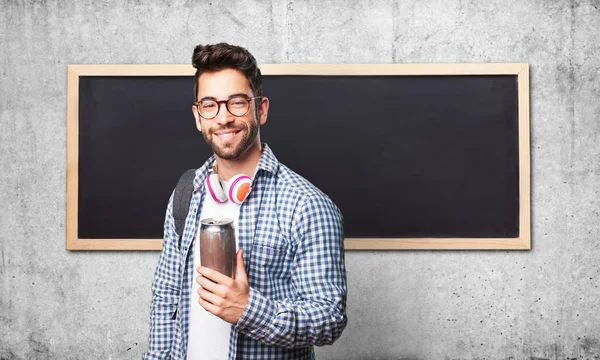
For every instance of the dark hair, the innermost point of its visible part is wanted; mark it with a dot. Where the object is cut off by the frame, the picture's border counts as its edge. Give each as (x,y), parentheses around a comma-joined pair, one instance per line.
(209,58)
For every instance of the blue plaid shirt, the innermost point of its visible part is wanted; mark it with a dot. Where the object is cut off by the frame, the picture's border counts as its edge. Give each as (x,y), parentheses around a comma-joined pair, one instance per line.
(292,236)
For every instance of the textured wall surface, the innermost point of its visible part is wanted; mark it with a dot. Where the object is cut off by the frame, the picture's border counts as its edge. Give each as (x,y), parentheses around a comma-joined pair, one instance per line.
(538,304)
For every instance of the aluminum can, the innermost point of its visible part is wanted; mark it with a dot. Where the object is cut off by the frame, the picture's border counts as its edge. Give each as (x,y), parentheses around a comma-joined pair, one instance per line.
(217,245)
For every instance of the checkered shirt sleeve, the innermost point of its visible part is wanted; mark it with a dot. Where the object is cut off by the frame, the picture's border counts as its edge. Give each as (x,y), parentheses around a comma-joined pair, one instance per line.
(165,293)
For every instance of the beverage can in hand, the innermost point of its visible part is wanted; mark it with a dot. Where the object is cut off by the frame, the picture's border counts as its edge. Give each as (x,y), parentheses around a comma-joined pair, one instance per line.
(217,245)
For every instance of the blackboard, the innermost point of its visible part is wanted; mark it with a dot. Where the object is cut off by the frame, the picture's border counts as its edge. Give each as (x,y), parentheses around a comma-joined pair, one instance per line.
(429,157)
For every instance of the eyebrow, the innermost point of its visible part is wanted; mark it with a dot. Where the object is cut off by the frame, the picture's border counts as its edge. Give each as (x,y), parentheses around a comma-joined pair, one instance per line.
(230,96)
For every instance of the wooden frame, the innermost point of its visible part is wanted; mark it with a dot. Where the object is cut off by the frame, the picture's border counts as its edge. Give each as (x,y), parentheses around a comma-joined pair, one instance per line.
(523,242)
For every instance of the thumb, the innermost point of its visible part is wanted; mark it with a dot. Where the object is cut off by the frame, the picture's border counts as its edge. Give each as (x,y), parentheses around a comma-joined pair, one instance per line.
(240,269)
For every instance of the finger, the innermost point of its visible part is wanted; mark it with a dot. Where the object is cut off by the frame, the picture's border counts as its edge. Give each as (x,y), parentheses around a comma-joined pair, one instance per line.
(211,286)
(215,310)
(215,276)
(240,269)
(208,282)
(210,297)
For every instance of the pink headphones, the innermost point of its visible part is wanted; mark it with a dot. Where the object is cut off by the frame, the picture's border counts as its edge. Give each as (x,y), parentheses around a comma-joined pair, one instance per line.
(238,189)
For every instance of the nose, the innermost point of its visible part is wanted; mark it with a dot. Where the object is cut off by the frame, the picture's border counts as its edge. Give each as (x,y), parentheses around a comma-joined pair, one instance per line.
(224,116)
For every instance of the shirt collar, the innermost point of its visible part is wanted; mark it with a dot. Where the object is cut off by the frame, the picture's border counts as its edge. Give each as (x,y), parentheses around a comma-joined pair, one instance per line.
(267,162)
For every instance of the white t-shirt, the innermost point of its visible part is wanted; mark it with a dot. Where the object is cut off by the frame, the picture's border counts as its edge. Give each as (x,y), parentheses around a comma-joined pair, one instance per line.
(208,334)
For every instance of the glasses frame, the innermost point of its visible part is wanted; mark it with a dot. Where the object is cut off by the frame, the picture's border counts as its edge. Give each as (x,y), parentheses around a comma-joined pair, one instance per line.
(196,104)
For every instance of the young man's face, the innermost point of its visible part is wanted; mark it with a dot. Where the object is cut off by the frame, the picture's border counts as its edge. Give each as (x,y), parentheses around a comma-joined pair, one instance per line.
(229,136)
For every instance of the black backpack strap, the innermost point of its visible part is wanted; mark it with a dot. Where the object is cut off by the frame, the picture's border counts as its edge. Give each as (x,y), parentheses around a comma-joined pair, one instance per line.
(181,201)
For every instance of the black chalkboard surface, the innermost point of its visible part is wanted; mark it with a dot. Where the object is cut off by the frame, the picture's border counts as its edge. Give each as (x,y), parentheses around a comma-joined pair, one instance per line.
(428,157)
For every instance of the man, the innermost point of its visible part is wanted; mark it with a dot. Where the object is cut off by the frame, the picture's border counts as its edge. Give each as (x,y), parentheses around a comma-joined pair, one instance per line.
(288,292)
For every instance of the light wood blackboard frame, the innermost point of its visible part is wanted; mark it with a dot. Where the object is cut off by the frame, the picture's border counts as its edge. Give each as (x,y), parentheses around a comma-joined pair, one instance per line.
(523,242)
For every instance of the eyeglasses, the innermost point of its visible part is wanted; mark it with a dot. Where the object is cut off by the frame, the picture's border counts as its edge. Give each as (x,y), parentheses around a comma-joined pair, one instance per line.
(237,106)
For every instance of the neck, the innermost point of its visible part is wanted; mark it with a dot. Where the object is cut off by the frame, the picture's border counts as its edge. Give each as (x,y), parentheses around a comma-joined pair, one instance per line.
(245,164)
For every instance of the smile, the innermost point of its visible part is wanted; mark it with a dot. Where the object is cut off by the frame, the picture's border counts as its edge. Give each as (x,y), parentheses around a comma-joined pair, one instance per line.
(226,135)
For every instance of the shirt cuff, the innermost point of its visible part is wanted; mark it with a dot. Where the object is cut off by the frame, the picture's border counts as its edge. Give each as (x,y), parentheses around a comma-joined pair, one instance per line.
(258,313)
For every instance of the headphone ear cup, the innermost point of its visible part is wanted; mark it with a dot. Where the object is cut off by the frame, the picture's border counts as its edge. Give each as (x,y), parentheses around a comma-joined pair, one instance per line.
(215,188)
(239,188)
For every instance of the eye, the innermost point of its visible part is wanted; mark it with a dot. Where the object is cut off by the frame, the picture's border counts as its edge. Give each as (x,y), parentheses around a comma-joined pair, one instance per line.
(208,105)
(237,102)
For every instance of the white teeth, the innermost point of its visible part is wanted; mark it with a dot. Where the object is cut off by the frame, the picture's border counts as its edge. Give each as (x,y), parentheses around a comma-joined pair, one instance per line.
(226,135)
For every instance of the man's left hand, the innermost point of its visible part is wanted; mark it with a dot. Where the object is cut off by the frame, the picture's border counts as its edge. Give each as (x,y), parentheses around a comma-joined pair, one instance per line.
(221,295)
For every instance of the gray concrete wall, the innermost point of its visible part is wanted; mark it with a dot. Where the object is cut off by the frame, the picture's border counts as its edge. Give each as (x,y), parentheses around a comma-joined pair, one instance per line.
(541,303)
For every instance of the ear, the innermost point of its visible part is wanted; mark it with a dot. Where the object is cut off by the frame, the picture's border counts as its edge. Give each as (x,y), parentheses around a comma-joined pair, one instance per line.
(263,110)
(197,117)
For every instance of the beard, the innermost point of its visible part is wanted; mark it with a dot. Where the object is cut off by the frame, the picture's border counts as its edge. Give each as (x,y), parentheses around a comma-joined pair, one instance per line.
(232,151)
